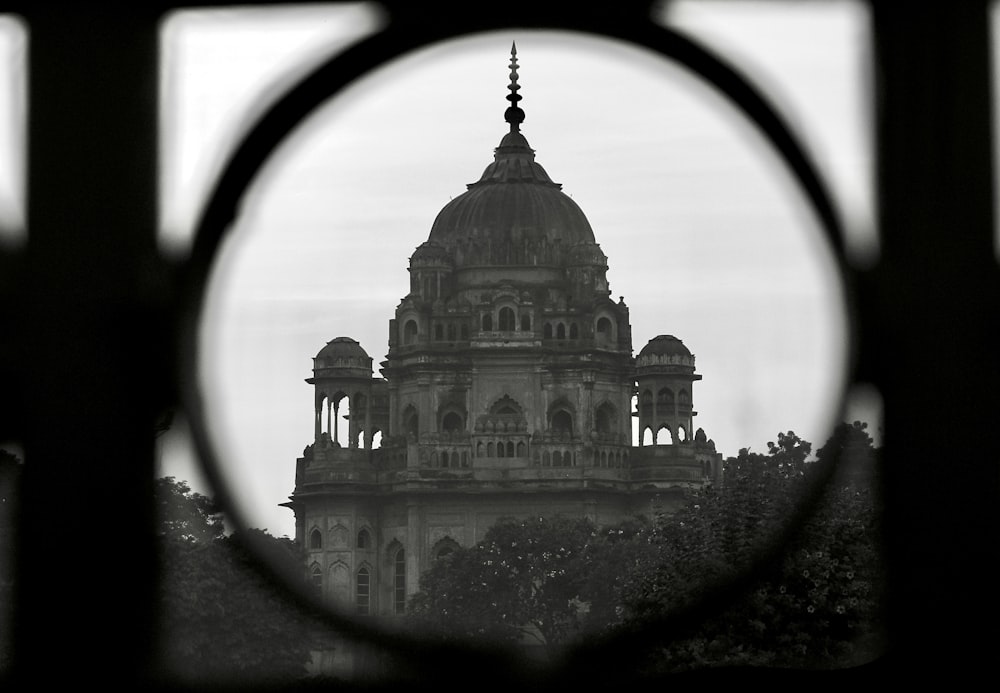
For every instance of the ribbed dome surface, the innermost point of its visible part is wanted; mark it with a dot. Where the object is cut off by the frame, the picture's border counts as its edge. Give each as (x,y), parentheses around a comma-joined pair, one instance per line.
(665,344)
(343,347)
(512,204)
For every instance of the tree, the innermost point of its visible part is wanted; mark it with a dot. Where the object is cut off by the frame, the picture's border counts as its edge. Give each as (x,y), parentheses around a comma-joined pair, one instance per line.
(523,580)
(817,607)
(222,621)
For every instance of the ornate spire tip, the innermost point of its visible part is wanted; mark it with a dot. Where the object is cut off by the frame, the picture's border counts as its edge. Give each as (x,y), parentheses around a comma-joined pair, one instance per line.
(513,115)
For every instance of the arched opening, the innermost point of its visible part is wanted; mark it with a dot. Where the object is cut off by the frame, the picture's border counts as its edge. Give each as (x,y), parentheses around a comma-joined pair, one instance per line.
(399,581)
(364,539)
(439,333)
(604,420)
(363,591)
(525,323)
(452,423)
(451,333)
(664,436)
(510,448)
(547,331)
(376,440)
(315,539)
(445,459)
(411,422)
(316,580)
(340,583)
(490,451)
(341,419)
(681,434)
(665,400)
(522,449)
(443,548)
(500,449)
(561,331)
(506,319)
(604,331)
(634,420)
(487,323)
(410,332)
(646,404)
(557,458)
(546,459)
(464,332)
(647,436)
(562,422)
(684,398)
(574,331)
(480,449)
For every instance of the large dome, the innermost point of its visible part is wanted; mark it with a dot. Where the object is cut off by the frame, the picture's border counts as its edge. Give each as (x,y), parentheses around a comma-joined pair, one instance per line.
(513,203)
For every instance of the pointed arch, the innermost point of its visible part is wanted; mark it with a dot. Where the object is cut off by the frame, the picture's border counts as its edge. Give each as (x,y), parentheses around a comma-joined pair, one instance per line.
(606,419)
(315,538)
(364,540)
(363,590)
(663,432)
(316,580)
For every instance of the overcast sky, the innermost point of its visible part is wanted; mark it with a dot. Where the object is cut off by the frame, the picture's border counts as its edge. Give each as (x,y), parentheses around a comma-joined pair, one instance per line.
(706,237)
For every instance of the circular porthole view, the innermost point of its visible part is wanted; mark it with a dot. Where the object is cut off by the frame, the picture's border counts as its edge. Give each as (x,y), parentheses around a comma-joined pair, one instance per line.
(502,317)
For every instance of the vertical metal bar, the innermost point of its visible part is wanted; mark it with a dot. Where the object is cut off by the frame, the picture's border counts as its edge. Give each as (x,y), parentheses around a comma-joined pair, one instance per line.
(930,322)
(94,376)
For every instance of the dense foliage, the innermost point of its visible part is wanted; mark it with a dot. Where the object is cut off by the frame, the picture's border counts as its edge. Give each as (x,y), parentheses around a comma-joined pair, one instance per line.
(522,581)
(815,607)
(223,621)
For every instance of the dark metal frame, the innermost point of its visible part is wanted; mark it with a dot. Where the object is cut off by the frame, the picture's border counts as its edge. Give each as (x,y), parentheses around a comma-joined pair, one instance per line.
(98,327)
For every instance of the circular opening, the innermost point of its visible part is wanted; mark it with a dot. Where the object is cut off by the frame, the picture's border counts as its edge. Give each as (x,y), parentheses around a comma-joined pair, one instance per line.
(706,237)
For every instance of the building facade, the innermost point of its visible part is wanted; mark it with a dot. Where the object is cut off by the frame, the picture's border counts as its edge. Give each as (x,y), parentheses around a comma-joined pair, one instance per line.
(509,389)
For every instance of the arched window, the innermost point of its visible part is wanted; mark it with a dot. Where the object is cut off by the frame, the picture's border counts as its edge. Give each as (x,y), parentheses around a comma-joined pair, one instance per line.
(562,422)
(315,539)
(647,436)
(410,332)
(604,420)
(681,434)
(480,449)
(546,459)
(399,582)
(487,323)
(500,449)
(574,331)
(684,398)
(445,459)
(665,399)
(451,333)
(525,323)
(604,330)
(452,423)
(547,331)
(363,591)
(506,319)
(364,540)
(510,448)
(465,332)
(557,459)
(490,450)
(411,421)
(316,580)
(561,331)
(522,449)
(439,332)
(664,436)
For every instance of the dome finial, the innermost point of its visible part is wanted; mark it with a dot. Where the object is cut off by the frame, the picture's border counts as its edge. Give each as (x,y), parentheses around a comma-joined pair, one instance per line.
(513,115)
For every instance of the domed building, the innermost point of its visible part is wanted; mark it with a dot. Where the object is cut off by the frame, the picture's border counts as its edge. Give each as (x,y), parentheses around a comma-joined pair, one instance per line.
(509,389)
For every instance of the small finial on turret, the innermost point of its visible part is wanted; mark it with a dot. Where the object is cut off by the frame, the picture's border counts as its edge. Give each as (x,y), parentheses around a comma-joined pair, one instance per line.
(513,115)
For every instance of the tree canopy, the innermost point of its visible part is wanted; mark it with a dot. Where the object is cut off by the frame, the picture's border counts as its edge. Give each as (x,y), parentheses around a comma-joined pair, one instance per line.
(816,607)
(222,621)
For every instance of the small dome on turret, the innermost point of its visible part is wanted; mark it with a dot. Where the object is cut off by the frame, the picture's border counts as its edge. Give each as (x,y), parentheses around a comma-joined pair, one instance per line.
(342,347)
(665,344)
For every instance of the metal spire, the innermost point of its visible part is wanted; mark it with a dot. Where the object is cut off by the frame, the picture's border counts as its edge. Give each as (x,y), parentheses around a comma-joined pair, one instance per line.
(513,115)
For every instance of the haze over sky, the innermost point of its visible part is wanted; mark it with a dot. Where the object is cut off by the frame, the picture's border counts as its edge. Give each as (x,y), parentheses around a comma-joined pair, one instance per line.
(706,236)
